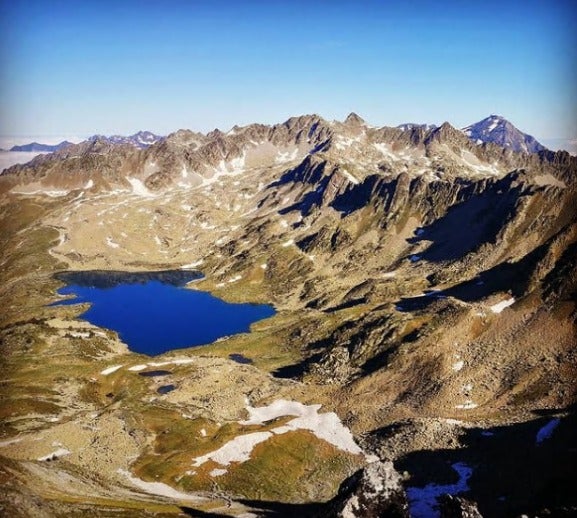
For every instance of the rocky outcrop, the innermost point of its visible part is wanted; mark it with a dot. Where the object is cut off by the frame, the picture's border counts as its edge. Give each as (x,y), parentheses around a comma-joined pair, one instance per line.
(457,507)
(374,492)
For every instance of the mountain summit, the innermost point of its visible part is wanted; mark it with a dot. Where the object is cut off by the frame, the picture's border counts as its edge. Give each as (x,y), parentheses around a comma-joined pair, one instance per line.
(498,130)
(140,140)
(354,120)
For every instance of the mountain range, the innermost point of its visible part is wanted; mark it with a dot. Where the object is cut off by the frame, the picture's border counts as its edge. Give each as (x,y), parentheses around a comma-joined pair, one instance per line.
(41,148)
(141,140)
(422,358)
(493,129)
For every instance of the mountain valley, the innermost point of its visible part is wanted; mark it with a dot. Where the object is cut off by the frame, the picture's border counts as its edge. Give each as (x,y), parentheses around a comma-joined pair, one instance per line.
(425,286)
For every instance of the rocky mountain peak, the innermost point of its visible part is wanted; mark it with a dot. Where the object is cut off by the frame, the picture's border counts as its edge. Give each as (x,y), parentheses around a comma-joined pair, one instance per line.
(181,133)
(447,134)
(354,120)
(180,140)
(145,137)
(498,130)
(97,142)
(215,134)
(302,121)
(140,140)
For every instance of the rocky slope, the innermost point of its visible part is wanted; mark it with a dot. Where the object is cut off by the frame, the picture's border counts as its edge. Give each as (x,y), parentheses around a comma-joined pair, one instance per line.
(425,287)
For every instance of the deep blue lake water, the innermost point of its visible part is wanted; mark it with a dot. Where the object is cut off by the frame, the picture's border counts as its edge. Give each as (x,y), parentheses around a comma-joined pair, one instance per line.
(154,313)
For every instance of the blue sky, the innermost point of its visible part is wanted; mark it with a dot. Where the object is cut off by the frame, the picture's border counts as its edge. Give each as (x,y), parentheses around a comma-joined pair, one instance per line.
(118,67)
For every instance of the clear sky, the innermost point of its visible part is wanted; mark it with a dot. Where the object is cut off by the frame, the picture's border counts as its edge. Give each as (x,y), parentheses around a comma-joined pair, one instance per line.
(85,67)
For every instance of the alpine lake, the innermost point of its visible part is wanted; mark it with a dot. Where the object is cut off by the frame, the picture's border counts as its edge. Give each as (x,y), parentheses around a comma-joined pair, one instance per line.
(154,312)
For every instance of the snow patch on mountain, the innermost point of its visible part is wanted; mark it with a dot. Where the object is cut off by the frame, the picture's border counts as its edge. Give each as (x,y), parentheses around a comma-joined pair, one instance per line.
(55,454)
(140,140)
(288,156)
(325,426)
(110,370)
(500,306)
(139,188)
(498,130)
(386,150)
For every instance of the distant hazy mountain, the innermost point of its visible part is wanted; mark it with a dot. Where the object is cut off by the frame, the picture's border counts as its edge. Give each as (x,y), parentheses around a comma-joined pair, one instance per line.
(499,130)
(141,140)
(41,148)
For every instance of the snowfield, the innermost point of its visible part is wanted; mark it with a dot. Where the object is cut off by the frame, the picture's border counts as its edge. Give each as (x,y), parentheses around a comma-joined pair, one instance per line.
(327,427)
(110,370)
(500,306)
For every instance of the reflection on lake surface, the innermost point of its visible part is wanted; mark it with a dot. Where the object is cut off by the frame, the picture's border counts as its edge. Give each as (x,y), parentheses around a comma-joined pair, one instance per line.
(153,312)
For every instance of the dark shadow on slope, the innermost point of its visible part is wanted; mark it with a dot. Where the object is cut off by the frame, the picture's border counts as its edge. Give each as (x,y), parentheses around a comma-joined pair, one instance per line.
(379,361)
(561,281)
(347,304)
(519,469)
(545,412)
(514,278)
(296,370)
(309,172)
(305,172)
(306,244)
(410,304)
(195,513)
(307,202)
(373,189)
(469,224)
(355,198)
(319,147)
(282,510)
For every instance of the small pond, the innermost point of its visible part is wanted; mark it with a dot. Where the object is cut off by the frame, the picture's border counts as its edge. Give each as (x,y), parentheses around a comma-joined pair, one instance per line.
(165,389)
(153,312)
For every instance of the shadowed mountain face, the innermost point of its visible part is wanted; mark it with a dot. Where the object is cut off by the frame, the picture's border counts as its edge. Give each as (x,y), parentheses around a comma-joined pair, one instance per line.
(425,281)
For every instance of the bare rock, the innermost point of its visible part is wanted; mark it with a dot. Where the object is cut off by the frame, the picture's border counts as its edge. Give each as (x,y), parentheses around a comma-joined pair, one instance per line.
(375,491)
(458,507)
